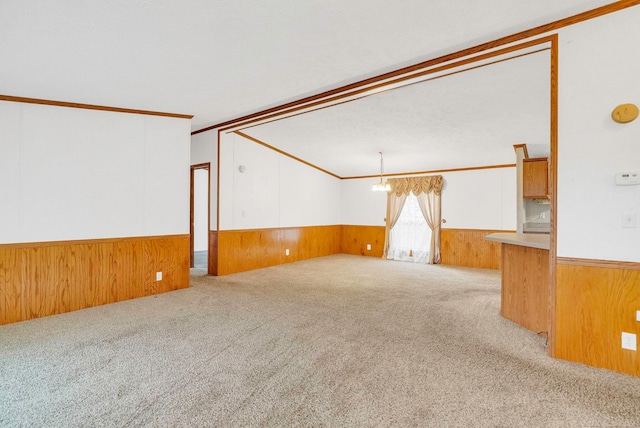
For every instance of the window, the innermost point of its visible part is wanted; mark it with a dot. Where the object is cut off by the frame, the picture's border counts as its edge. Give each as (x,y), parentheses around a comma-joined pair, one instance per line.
(410,238)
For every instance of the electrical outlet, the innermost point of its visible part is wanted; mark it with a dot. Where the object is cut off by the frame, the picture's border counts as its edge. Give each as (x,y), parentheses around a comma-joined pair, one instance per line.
(368,247)
(629,341)
(542,215)
(286,252)
(158,276)
(637,315)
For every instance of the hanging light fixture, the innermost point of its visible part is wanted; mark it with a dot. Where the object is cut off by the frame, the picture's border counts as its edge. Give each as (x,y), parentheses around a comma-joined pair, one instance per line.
(381,186)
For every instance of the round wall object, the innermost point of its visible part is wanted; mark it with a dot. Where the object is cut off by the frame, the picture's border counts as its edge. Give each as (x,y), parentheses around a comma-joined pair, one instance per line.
(624,113)
(242,168)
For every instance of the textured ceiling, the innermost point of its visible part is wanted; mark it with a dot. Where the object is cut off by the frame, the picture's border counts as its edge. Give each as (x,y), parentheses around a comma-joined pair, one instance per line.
(222,59)
(462,120)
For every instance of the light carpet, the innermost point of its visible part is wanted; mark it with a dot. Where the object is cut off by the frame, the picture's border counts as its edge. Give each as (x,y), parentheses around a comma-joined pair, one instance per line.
(335,341)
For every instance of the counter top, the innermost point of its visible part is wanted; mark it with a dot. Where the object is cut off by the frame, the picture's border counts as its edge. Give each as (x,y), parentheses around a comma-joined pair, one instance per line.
(540,241)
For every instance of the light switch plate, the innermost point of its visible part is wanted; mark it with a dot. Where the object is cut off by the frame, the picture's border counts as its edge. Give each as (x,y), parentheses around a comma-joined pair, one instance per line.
(158,276)
(637,315)
(368,247)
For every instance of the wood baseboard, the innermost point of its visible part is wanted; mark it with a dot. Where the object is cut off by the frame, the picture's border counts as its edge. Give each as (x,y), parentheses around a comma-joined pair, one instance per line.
(42,279)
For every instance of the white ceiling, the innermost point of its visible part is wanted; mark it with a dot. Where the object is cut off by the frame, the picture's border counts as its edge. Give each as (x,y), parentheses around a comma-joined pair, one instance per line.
(462,120)
(222,59)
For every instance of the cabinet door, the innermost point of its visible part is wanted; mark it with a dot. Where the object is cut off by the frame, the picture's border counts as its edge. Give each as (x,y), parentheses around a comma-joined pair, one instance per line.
(535,178)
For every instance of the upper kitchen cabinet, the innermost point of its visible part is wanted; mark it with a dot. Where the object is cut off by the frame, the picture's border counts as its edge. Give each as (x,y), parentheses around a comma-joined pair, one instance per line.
(535,178)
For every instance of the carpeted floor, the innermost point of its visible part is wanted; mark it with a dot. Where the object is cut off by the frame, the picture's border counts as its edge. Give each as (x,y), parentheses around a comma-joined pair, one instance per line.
(336,341)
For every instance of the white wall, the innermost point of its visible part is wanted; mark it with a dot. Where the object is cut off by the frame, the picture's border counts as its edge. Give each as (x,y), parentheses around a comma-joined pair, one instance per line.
(479,199)
(204,149)
(70,174)
(599,69)
(274,190)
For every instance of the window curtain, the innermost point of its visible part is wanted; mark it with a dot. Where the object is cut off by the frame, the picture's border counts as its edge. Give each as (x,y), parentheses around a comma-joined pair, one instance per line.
(395,203)
(428,191)
(410,238)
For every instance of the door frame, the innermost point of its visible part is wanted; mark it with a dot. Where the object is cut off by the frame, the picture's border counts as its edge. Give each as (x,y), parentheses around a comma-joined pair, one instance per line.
(206,166)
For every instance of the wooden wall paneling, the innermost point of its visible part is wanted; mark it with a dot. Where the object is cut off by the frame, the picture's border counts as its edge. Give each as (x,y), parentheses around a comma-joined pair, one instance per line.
(41,279)
(11,293)
(40,282)
(594,305)
(125,281)
(354,240)
(243,250)
(171,257)
(467,247)
(525,286)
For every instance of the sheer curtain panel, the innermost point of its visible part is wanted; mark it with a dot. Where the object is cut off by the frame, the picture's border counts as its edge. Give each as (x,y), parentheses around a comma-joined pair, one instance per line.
(428,191)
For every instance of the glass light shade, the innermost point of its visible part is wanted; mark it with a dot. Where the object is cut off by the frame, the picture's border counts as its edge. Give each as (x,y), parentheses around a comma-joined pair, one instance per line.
(381,186)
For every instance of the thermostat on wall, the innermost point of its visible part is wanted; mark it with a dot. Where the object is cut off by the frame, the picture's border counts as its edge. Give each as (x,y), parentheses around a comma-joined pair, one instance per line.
(627,178)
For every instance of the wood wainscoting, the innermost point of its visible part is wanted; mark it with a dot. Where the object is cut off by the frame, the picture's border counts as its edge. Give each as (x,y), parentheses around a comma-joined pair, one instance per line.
(467,247)
(243,250)
(595,302)
(354,240)
(41,279)
(233,251)
(525,287)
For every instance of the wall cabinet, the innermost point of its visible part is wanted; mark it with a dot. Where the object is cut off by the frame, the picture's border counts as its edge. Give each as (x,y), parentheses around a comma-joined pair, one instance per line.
(535,178)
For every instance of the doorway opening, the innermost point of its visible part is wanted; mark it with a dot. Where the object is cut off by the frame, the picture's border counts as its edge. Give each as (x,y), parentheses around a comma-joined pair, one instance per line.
(200,215)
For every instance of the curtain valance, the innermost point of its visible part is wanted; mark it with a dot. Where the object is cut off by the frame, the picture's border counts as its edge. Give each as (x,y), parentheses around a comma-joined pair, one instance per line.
(417,185)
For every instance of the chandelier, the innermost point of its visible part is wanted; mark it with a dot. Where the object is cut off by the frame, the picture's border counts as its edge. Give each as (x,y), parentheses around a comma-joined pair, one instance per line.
(381,186)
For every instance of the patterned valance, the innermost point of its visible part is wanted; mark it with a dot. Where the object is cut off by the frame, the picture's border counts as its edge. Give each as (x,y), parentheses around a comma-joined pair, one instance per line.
(417,185)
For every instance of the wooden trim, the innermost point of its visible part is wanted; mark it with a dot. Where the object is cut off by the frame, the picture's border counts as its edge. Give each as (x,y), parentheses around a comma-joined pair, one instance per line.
(218,188)
(207,166)
(553,196)
(608,264)
(396,174)
(212,262)
(91,107)
(533,32)
(86,241)
(191,217)
(367,91)
(270,229)
(262,143)
(213,235)
(524,149)
(462,62)
(535,159)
